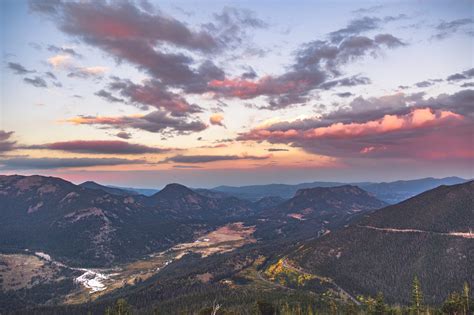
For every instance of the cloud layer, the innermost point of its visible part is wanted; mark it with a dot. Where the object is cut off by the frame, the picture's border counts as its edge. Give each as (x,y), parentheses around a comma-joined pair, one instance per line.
(99,147)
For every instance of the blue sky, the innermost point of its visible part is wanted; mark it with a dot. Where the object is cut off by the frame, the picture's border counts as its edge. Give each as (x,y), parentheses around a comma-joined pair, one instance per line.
(236,92)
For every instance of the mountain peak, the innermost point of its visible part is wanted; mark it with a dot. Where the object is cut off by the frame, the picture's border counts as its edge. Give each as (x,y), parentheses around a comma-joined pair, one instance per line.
(174,190)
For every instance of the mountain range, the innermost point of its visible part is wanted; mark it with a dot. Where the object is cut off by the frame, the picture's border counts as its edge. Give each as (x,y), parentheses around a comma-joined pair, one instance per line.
(181,245)
(390,192)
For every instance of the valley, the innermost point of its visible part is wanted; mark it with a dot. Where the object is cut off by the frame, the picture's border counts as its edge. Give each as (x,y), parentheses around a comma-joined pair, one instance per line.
(40,268)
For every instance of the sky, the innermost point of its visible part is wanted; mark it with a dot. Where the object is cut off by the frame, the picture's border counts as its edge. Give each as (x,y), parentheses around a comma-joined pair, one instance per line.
(207,93)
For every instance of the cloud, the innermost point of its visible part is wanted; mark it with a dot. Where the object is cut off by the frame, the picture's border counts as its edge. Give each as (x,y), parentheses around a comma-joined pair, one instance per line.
(446,29)
(99,147)
(317,66)
(355,27)
(124,135)
(371,9)
(60,60)
(389,126)
(109,97)
(62,51)
(153,93)
(36,81)
(130,34)
(18,68)
(87,72)
(231,25)
(424,84)
(5,143)
(277,150)
(54,163)
(345,94)
(468,74)
(177,56)
(195,159)
(157,121)
(186,166)
(217,120)
(388,123)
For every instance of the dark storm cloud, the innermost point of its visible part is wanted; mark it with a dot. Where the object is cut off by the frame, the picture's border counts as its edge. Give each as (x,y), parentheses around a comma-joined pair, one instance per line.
(99,147)
(53,163)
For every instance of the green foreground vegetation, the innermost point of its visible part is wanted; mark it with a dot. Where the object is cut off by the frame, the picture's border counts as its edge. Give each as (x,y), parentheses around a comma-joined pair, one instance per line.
(456,303)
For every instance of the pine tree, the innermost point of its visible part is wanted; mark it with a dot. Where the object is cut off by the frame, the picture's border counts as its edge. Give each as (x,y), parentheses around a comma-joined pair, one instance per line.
(380,307)
(416,297)
(466,297)
(121,307)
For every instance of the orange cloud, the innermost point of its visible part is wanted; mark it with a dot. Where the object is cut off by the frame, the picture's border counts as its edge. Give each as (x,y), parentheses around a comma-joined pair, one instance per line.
(216,119)
(59,60)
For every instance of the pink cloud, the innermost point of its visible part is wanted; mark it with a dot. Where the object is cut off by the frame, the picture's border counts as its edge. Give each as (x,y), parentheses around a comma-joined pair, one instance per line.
(417,118)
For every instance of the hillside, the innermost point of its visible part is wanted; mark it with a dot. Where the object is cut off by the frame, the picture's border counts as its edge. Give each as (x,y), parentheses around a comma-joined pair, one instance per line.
(313,212)
(90,227)
(427,235)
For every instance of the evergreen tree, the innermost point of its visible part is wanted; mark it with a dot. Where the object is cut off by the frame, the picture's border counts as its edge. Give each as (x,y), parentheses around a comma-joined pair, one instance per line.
(380,307)
(416,297)
(454,304)
(466,297)
(121,307)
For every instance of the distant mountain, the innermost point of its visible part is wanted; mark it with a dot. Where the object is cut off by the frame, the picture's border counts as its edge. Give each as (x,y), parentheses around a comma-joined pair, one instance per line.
(110,190)
(427,236)
(257,192)
(184,201)
(313,212)
(391,192)
(394,192)
(327,203)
